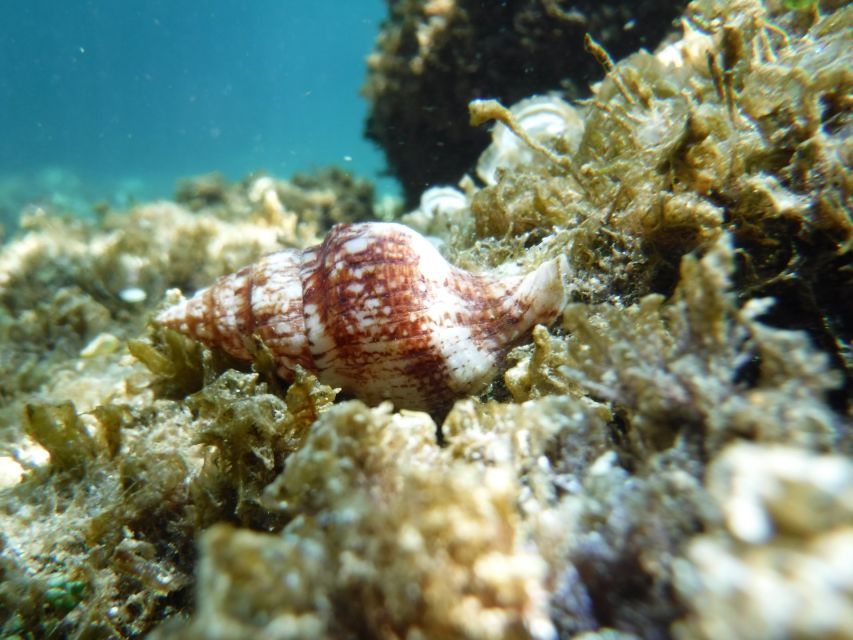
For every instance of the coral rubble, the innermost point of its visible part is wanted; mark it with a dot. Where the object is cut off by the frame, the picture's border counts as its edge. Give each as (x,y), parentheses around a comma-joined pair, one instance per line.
(671,459)
(789,516)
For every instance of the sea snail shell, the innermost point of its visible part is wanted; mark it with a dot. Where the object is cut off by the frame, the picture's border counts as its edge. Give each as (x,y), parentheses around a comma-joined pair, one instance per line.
(377,311)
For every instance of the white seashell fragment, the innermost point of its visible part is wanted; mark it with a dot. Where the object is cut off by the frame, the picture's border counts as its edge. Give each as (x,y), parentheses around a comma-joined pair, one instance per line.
(11,472)
(689,51)
(544,119)
(101,345)
(133,295)
(438,210)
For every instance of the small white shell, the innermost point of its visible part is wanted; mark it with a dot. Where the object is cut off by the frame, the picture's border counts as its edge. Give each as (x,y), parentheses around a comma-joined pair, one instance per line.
(438,208)
(543,118)
(689,51)
(133,295)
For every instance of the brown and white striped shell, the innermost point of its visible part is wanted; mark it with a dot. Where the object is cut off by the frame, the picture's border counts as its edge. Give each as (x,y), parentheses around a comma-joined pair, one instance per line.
(377,311)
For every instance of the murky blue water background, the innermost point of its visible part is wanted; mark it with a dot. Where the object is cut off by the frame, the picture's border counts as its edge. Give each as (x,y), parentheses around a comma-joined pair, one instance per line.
(108,99)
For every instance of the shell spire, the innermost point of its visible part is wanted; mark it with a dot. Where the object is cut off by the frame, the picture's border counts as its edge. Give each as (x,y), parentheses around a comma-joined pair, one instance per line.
(377,311)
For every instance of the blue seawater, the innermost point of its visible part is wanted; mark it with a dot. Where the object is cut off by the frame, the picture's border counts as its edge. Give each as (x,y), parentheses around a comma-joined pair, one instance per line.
(102,99)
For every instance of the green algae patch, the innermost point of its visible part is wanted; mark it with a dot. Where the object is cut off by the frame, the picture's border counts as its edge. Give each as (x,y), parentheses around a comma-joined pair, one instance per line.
(800,5)
(251,432)
(59,430)
(696,362)
(174,361)
(63,594)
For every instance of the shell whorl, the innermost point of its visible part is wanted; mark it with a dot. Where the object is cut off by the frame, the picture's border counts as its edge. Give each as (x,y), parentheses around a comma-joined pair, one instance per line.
(377,311)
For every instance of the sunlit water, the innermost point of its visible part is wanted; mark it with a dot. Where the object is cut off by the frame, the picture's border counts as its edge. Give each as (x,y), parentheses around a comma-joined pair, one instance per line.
(106,100)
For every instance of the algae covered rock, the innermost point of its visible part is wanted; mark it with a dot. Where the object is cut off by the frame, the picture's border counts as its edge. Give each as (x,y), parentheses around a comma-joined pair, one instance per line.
(783,575)
(390,534)
(434,56)
(712,134)
(107,472)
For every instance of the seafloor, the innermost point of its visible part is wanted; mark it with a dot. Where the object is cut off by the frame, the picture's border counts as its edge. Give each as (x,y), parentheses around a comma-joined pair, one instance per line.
(670,459)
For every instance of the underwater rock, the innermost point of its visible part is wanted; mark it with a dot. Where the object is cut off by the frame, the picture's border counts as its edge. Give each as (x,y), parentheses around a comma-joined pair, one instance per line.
(393,534)
(330,195)
(772,491)
(434,56)
(676,149)
(787,573)
(201,191)
(321,198)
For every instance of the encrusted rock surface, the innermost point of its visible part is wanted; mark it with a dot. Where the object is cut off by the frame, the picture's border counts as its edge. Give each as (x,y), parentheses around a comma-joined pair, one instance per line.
(434,56)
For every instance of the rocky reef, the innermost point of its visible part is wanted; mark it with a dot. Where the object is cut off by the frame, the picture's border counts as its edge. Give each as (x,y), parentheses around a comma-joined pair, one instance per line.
(672,458)
(433,56)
